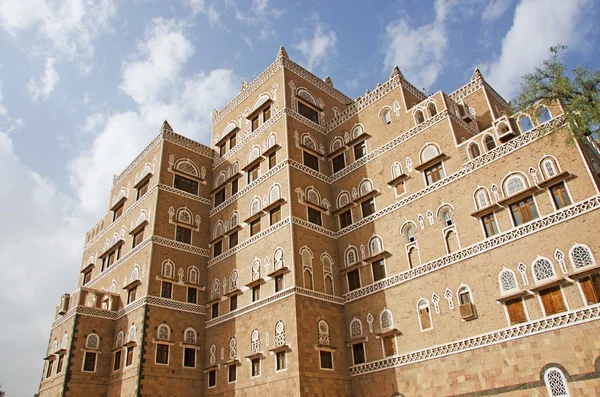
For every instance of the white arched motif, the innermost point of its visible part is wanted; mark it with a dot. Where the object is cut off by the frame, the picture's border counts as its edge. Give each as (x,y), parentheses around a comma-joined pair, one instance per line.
(185,216)
(92,342)
(357,131)
(256,269)
(343,199)
(272,140)
(134,275)
(365,186)
(64,340)
(234,219)
(190,336)
(163,332)
(514,183)
(306,95)
(168,269)
(386,319)
(232,348)
(279,334)
(431,109)
(216,289)
(262,99)
(556,383)
(255,206)
(507,280)
(221,178)
(253,154)
(307,257)
(193,275)
(549,166)
(327,262)
(324,337)
(218,229)
(408,230)
(482,198)
(187,166)
(313,196)
(233,280)
(375,245)
(581,256)
(542,269)
(351,256)
(255,342)
(386,114)
(336,144)
(356,328)
(474,151)
(309,142)
(274,193)
(428,152)
(119,339)
(396,170)
(424,314)
(131,334)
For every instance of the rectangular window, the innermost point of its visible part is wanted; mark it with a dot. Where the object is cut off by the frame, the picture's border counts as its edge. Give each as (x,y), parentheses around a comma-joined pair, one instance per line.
(218,248)
(253,174)
(272,160)
(59,365)
(117,362)
(254,227)
(368,207)
(215,310)
(255,293)
(49,369)
(389,345)
(233,240)
(117,212)
(232,141)
(378,270)
(424,317)
(166,290)
(212,378)
(223,149)
(256,367)
(279,283)
(275,215)
(192,295)
(358,353)
(345,219)
(162,354)
(183,234)
(360,150)
(552,299)
(326,359)
(233,302)
(129,358)
(189,357)
(138,238)
(339,162)
(434,173)
(353,280)
(255,123)
(89,362)
(311,161)
(185,184)
(489,225)
(400,189)
(131,292)
(516,311)
(232,373)
(281,362)
(308,112)
(219,197)
(560,196)
(591,288)
(143,189)
(234,186)
(314,216)
(524,211)
(266,113)
(87,276)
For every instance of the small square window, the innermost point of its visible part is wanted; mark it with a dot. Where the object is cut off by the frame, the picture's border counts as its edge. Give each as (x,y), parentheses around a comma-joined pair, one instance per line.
(212,378)
(142,189)
(266,113)
(358,353)
(311,161)
(254,227)
(49,369)
(192,295)
(345,219)
(255,293)
(254,123)
(87,276)
(129,358)
(189,357)
(232,373)
(353,280)
(272,160)
(339,163)
(219,197)
(253,174)
(118,211)
(256,367)
(233,240)
(378,270)
(234,186)
(233,302)
(560,196)
(308,112)
(166,290)
(281,361)
(59,365)
(162,354)
(275,215)
(215,310)
(360,150)
(217,248)
(279,283)
(314,216)
(223,149)
(185,184)
(138,237)
(89,362)
(117,362)
(489,225)
(232,141)
(131,295)
(434,173)
(326,359)
(368,207)
(183,234)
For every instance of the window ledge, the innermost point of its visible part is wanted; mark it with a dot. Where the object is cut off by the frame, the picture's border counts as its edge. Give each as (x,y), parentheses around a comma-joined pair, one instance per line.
(378,256)
(486,210)
(145,179)
(366,196)
(118,203)
(584,271)
(344,208)
(132,284)
(351,268)
(254,217)
(129,343)
(253,163)
(549,284)
(216,239)
(256,282)
(513,295)
(440,157)
(111,249)
(190,345)
(398,180)
(259,355)
(259,109)
(311,151)
(163,342)
(328,348)
(271,149)
(357,139)
(211,368)
(388,332)
(280,271)
(233,361)
(519,196)
(274,204)
(282,348)
(227,135)
(87,268)
(356,339)
(236,291)
(317,207)
(563,176)
(337,151)
(138,228)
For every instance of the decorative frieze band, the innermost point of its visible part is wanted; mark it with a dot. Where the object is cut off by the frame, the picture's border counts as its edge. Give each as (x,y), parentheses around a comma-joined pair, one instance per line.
(314,228)
(181,193)
(559,321)
(478,248)
(180,246)
(121,260)
(189,144)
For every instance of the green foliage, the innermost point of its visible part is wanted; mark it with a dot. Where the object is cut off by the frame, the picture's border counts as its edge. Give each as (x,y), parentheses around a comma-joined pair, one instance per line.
(579,94)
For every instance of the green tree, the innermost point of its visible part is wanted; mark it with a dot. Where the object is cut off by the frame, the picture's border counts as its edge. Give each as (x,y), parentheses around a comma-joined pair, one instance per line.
(579,93)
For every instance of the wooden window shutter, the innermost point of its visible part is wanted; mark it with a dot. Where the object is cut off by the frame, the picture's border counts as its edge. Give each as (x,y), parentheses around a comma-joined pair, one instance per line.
(516,311)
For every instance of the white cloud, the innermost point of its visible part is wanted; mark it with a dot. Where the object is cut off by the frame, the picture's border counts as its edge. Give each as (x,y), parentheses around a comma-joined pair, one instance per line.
(495,10)
(199,7)
(536,27)
(43,87)
(3,111)
(260,15)
(418,51)
(318,48)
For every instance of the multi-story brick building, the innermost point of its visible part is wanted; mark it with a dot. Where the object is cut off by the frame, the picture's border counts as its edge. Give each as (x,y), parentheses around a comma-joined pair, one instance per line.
(396,244)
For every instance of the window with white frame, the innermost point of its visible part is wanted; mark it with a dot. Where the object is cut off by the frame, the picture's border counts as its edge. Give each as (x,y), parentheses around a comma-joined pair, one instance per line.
(424,314)
(556,383)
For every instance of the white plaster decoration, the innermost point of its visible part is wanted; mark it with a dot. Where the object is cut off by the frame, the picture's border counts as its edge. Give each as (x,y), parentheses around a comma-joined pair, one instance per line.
(216,289)
(92,342)
(233,280)
(409,164)
(163,332)
(356,328)
(190,336)
(421,221)
(370,319)
(542,269)
(397,108)
(429,215)
(386,319)
(507,281)
(279,334)
(65,339)
(448,296)
(232,348)
(343,199)
(255,342)
(523,271)
(560,258)
(494,189)
(119,340)
(436,302)
(213,354)
(375,245)
(278,259)
(533,172)
(256,269)
(193,275)
(324,337)
(581,256)
(556,383)
(513,185)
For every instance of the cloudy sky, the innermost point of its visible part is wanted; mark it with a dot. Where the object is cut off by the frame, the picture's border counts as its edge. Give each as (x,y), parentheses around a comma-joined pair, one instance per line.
(86,84)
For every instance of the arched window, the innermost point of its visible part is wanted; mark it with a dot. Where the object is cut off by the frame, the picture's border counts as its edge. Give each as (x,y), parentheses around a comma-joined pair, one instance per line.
(313,196)
(525,123)
(581,256)
(556,383)
(308,278)
(387,116)
(131,334)
(351,256)
(309,142)
(255,206)
(327,263)
(419,118)
(502,128)
(482,198)
(255,342)
(279,334)
(190,336)
(163,332)
(396,170)
(409,233)
(272,140)
(233,280)
(216,289)
(356,328)
(474,150)
(328,284)
(187,167)
(431,109)
(507,279)
(386,320)
(549,167)
(307,96)
(464,295)
(429,152)
(119,340)
(451,241)
(542,269)
(365,187)
(489,142)
(167,270)
(323,328)
(274,194)
(413,257)
(375,245)
(184,216)
(343,199)
(357,131)
(447,217)
(307,257)
(424,315)
(92,342)
(513,185)
(336,144)
(234,219)
(544,115)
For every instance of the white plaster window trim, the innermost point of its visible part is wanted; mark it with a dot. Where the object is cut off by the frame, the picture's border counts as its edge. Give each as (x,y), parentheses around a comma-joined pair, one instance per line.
(569,194)
(565,301)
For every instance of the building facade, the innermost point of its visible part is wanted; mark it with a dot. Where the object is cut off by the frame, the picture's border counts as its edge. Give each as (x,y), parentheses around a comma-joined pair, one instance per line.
(393,245)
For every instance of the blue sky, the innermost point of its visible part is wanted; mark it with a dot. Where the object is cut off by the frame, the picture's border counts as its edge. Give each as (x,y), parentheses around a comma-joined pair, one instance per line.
(85,85)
